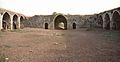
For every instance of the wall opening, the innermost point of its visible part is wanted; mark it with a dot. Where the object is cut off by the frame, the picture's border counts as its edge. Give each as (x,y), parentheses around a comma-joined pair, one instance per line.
(100,22)
(116,21)
(46,25)
(21,22)
(74,25)
(15,21)
(6,21)
(107,22)
(60,22)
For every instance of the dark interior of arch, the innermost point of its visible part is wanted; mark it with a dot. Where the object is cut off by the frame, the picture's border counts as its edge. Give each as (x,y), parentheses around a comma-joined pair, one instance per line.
(60,19)
(100,22)
(21,22)
(15,21)
(46,25)
(6,21)
(74,25)
(116,21)
(21,19)
(107,22)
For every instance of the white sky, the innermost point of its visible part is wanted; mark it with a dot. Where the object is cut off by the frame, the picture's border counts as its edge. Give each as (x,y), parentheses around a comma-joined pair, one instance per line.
(44,7)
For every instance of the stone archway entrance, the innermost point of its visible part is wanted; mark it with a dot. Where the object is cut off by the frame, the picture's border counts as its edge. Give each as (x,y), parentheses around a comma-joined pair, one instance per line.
(46,25)
(60,22)
(6,21)
(15,22)
(116,20)
(74,25)
(107,22)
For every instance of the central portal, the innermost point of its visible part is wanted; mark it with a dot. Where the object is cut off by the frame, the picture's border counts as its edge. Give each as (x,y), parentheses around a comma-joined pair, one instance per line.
(60,22)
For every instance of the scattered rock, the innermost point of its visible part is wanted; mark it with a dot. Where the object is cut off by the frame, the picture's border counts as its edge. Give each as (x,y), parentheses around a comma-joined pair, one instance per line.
(6,59)
(31,51)
(56,43)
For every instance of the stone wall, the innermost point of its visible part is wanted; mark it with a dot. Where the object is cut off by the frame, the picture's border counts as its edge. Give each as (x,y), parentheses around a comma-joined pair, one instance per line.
(106,19)
(82,21)
(38,21)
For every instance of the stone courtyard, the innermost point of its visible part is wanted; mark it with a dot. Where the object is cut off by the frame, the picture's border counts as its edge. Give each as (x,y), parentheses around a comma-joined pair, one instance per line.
(60,37)
(40,45)
(108,20)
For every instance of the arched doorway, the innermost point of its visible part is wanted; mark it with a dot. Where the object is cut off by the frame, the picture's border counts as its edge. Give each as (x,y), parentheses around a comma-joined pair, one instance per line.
(15,21)
(116,20)
(100,22)
(6,21)
(46,25)
(107,22)
(21,22)
(60,22)
(74,25)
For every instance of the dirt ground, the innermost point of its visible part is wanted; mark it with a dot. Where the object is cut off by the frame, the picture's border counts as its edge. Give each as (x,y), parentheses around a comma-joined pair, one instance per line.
(40,45)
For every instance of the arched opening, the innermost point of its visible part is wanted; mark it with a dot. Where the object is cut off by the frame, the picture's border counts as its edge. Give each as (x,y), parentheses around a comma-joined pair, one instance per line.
(116,20)
(60,22)
(74,25)
(6,21)
(21,22)
(107,22)
(100,22)
(15,21)
(21,18)
(46,25)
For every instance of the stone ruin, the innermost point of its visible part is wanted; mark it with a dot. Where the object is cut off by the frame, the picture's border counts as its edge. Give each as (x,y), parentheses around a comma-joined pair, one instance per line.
(109,20)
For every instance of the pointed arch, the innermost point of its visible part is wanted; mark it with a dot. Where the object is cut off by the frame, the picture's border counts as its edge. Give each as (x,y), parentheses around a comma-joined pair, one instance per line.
(21,18)
(46,25)
(60,22)
(100,22)
(116,20)
(6,21)
(21,22)
(15,22)
(74,25)
(107,21)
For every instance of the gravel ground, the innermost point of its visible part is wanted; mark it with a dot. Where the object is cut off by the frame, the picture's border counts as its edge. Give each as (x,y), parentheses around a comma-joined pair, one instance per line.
(40,45)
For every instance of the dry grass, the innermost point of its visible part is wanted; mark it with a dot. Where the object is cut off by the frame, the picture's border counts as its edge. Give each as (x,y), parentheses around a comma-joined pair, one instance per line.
(39,45)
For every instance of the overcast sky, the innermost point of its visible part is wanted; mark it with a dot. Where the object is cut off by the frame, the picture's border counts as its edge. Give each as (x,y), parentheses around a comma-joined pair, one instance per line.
(44,7)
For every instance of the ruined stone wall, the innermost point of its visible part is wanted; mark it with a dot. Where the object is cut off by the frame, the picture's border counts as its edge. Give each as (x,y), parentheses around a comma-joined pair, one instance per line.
(38,21)
(73,19)
(92,21)
(82,21)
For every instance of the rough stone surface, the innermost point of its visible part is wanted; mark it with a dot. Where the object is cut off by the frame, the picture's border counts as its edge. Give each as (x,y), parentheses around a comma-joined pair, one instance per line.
(105,20)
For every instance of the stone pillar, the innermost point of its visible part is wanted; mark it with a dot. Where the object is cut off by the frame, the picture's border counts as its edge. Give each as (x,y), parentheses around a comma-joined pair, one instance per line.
(1,21)
(104,24)
(18,23)
(11,22)
(111,23)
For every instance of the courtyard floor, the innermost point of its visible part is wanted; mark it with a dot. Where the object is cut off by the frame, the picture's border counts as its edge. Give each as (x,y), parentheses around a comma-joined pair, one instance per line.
(40,45)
